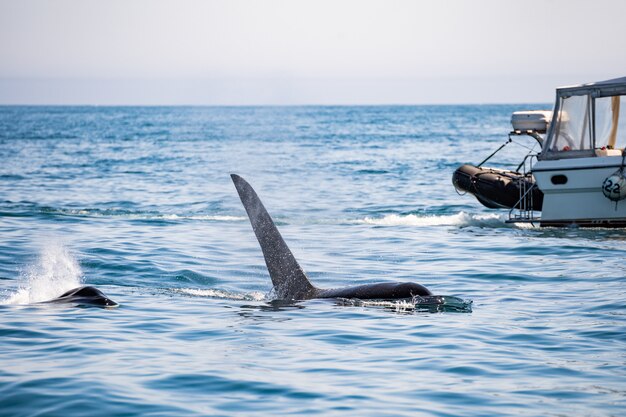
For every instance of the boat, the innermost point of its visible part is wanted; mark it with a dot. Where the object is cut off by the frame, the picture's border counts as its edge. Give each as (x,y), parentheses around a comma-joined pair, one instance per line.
(578,177)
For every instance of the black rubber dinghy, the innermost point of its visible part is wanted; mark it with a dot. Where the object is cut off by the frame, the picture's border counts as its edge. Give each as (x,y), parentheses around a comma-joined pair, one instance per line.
(497,188)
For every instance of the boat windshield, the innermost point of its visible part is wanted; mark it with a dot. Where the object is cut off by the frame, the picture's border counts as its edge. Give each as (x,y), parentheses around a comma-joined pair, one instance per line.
(610,124)
(587,126)
(573,124)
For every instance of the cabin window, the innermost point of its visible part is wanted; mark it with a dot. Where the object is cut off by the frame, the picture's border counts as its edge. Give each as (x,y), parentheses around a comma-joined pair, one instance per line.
(610,122)
(573,128)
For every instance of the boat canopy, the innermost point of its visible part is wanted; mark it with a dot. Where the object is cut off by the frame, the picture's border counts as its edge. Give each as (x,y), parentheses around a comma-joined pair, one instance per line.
(588,120)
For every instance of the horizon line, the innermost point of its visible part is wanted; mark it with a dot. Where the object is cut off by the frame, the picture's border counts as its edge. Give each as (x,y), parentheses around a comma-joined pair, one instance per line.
(279,105)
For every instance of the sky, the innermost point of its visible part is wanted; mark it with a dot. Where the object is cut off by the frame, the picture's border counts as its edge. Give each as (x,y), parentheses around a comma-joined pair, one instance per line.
(279,52)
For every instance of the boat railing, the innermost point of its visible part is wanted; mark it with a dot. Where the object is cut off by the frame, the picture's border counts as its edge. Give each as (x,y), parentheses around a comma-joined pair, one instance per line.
(523,211)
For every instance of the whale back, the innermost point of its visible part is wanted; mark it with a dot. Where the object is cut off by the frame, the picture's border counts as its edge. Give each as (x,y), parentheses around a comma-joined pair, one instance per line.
(288,278)
(85,295)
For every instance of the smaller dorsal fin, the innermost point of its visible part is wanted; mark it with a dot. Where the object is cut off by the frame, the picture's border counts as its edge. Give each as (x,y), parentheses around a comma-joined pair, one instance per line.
(289,280)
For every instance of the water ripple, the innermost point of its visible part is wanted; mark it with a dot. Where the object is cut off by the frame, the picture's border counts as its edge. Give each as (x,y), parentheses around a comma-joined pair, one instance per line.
(138,202)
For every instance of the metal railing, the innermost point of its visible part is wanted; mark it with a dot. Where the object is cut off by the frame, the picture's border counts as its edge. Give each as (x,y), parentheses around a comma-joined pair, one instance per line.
(523,211)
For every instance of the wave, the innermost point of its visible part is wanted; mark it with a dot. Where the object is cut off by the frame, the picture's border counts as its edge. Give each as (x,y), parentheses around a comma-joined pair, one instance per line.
(55,272)
(437,303)
(227,295)
(461,219)
(28,209)
(140,215)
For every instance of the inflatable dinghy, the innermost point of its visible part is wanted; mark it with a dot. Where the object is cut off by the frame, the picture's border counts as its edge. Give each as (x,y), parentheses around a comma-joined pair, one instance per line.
(497,188)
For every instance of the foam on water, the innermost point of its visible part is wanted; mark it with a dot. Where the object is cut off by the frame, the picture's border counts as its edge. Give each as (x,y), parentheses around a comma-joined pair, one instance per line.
(251,296)
(55,272)
(433,304)
(202,217)
(461,219)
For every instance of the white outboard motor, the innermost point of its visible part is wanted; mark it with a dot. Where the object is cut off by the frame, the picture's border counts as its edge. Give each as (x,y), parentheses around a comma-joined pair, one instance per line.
(534,120)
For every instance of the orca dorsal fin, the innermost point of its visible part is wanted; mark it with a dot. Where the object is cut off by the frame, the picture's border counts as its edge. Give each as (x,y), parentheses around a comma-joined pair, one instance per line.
(289,280)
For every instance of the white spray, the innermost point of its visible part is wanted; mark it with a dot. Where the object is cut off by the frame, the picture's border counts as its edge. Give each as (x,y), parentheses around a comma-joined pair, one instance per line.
(55,272)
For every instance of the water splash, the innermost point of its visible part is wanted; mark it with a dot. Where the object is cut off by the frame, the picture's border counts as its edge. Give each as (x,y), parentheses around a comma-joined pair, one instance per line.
(432,304)
(55,272)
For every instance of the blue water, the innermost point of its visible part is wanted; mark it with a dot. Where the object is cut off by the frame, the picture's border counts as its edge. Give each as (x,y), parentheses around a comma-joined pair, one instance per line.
(138,202)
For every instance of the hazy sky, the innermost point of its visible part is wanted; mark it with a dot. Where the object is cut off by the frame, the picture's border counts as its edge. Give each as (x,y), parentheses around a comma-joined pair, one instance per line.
(305,52)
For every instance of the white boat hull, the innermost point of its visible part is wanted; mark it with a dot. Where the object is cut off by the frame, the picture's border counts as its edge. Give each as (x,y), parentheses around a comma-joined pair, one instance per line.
(578,201)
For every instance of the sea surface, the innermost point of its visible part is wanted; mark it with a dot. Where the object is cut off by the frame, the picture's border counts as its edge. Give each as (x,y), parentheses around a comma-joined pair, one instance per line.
(138,202)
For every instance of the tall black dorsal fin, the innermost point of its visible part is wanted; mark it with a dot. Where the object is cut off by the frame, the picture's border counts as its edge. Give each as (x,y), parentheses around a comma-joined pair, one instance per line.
(289,280)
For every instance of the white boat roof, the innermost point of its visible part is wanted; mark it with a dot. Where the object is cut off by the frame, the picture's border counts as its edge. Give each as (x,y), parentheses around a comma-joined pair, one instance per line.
(614,87)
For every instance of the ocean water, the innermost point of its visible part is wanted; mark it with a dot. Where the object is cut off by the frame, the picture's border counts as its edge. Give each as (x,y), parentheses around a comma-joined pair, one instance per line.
(138,202)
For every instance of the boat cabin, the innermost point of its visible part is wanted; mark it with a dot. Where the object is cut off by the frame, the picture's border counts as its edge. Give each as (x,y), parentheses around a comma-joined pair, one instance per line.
(588,120)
